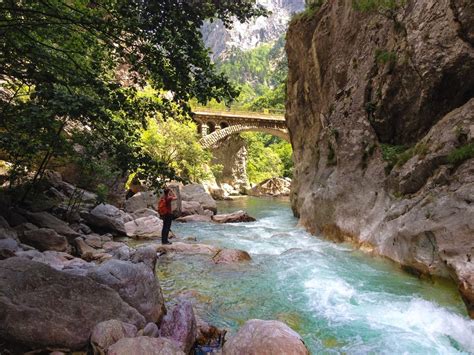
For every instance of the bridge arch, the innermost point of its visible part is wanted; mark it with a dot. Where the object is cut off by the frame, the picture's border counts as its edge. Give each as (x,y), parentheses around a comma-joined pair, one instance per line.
(211,126)
(214,138)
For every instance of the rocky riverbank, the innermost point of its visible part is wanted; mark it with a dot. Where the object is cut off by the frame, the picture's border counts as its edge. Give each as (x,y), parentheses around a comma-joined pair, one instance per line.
(381,119)
(70,281)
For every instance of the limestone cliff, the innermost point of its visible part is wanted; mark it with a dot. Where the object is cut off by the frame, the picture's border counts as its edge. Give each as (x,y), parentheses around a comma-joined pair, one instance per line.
(380,111)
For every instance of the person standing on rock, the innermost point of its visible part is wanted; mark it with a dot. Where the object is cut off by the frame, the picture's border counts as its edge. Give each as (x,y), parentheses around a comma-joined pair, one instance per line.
(166,214)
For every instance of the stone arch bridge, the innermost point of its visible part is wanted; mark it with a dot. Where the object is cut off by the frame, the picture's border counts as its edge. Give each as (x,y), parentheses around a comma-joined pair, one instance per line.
(216,126)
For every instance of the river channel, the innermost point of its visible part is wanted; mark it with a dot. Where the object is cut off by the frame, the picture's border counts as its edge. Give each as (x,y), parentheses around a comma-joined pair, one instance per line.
(338,299)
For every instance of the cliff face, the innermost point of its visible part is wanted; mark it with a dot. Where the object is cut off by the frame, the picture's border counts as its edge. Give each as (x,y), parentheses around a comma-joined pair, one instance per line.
(381,117)
(249,35)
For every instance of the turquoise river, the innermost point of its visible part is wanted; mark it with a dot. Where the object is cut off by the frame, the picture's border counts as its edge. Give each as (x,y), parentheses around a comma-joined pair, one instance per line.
(340,300)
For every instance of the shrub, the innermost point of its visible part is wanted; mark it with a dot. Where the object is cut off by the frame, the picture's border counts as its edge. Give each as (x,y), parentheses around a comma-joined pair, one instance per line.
(461,154)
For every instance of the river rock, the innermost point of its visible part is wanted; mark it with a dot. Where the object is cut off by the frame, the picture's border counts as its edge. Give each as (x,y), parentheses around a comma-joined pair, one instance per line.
(44,239)
(191,208)
(93,240)
(140,201)
(145,227)
(185,248)
(57,260)
(197,193)
(151,330)
(8,247)
(108,217)
(265,337)
(271,187)
(234,217)
(230,256)
(108,333)
(144,212)
(194,218)
(135,283)
(66,307)
(180,325)
(144,346)
(208,334)
(47,220)
(145,254)
(85,251)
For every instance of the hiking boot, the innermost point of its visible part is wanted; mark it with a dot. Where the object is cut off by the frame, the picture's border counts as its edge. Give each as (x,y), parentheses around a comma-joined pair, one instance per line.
(166,243)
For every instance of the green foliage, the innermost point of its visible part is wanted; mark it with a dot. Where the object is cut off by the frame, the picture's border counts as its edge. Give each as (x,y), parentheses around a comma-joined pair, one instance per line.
(176,144)
(384,56)
(377,5)
(78,65)
(102,192)
(312,6)
(461,154)
(268,156)
(331,155)
(398,155)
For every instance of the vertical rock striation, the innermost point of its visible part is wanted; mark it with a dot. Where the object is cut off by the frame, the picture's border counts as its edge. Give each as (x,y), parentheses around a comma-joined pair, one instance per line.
(381,117)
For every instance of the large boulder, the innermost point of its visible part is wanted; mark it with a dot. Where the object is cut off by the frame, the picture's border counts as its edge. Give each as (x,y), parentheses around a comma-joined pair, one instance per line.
(234,217)
(144,227)
(230,256)
(144,346)
(180,325)
(141,200)
(197,193)
(57,260)
(135,283)
(43,307)
(109,218)
(108,333)
(191,208)
(44,239)
(265,337)
(194,218)
(47,220)
(8,247)
(144,212)
(185,248)
(272,187)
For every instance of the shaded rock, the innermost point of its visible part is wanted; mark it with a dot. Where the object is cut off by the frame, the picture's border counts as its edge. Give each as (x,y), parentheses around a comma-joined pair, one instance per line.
(93,240)
(44,239)
(145,254)
(185,248)
(25,227)
(145,212)
(194,218)
(8,233)
(271,187)
(141,200)
(3,223)
(197,193)
(191,208)
(265,337)
(229,256)
(67,322)
(57,260)
(47,220)
(151,330)
(8,247)
(108,217)
(234,217)
(135,283)
(180,325)
(145,227)
(108,333)
(208,334)
(85,251)
(144,346)
(107,246)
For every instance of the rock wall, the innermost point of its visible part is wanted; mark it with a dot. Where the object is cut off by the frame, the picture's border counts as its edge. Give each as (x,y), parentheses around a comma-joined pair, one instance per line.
(232,155)
(361,85)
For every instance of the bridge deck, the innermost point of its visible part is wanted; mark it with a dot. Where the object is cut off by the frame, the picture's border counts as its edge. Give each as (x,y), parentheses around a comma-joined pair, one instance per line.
(246,115)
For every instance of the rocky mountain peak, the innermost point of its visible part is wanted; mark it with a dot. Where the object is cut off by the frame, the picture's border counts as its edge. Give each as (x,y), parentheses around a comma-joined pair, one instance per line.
(245,36)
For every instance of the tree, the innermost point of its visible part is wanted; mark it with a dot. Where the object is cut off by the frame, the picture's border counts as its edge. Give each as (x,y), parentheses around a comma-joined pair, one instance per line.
(176,144)
(79,65)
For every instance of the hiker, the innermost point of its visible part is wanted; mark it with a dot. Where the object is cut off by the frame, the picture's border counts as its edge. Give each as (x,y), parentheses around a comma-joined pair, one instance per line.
(164,209)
